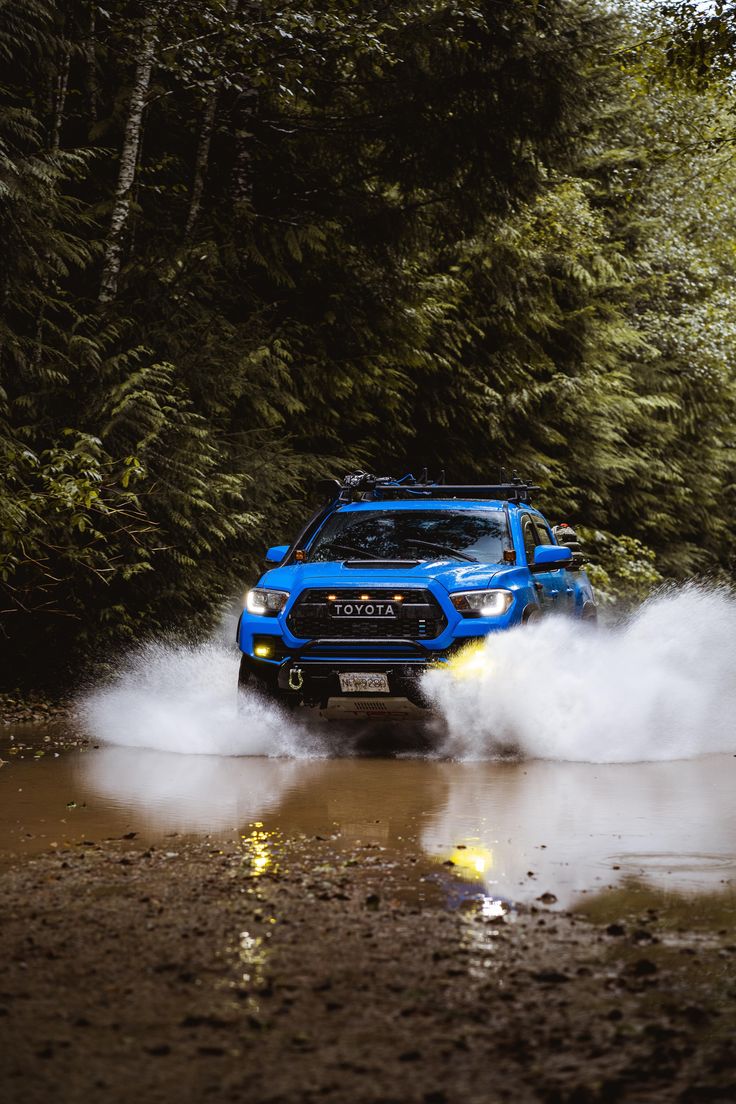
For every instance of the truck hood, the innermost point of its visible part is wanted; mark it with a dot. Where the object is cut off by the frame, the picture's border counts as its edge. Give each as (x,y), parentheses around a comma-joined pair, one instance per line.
(452,574)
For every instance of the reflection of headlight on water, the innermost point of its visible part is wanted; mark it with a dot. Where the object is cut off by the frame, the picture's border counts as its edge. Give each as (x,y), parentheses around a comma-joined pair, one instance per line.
(471,861)
(471,662)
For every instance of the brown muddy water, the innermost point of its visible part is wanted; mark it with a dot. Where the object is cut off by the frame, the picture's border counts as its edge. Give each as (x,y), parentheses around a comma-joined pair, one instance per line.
(357,930)
(599,838)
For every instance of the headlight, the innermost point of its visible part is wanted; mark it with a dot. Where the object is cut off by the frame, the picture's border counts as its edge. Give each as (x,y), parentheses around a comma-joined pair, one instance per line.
(482,603)
(260,600)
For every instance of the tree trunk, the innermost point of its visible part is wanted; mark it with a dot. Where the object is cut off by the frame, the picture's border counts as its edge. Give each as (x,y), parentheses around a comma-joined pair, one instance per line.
(245,109)
(200,164)
(242,172)
(203,146)
(90,57)
(57,119)
(128,160)
(62,83)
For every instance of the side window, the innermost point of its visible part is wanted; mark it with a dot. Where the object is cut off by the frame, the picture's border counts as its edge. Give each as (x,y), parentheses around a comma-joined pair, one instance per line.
(544,535)
(529,536)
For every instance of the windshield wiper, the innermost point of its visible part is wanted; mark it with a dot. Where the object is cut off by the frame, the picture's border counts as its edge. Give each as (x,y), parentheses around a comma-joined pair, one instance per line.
(442,548)
(349,548)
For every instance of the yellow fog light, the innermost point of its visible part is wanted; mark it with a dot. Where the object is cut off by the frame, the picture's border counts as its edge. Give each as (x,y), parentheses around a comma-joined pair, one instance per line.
(471,662)
(263,651)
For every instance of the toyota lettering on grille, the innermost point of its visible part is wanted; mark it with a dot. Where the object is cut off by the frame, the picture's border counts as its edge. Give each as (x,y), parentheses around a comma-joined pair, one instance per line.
(363,609)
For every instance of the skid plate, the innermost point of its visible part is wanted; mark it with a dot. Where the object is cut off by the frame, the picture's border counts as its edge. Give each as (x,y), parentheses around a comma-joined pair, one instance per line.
(371,709)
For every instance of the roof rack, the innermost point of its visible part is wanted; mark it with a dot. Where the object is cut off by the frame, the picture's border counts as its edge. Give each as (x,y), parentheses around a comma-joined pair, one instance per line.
(363,487)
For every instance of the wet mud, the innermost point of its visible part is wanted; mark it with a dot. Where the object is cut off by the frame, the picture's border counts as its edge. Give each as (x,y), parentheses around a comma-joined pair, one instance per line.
(378,930)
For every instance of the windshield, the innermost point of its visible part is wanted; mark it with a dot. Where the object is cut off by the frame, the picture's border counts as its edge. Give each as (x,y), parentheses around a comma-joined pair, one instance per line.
(478,535)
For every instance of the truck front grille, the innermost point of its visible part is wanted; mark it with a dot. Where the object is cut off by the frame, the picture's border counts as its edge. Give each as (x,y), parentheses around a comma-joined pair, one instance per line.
(420,616)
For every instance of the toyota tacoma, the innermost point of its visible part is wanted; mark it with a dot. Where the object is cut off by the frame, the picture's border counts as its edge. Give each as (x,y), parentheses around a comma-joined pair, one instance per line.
(392,577)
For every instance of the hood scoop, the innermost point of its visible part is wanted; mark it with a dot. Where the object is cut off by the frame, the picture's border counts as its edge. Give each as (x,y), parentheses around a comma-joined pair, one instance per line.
(387,565)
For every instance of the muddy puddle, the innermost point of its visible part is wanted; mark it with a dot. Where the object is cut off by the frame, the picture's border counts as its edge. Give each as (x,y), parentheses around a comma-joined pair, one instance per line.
(604,840)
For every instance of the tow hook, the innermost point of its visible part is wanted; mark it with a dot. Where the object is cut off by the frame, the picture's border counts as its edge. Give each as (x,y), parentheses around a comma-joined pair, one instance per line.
(296,678)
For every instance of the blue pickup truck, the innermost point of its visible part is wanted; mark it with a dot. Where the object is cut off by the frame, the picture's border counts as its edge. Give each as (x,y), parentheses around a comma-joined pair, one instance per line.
(391,577)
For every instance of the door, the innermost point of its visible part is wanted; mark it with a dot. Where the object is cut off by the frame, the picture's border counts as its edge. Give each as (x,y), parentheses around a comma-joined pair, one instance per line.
(553,588)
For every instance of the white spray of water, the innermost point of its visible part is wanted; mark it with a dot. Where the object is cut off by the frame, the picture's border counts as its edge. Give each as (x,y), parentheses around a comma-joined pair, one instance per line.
(183,698)
(660,686)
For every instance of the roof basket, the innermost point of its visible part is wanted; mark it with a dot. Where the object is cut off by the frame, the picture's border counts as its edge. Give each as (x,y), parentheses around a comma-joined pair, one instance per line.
(361,486)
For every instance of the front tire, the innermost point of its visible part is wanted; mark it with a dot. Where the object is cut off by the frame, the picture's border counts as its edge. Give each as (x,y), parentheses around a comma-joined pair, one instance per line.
(250,683)
(530,615)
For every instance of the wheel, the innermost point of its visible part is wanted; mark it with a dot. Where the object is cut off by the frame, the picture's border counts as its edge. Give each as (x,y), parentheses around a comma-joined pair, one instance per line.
(530,615)
(267,691)
(244,676)
(589,614)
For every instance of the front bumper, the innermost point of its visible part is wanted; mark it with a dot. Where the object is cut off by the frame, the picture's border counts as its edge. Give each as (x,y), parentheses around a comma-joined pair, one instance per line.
(312,675)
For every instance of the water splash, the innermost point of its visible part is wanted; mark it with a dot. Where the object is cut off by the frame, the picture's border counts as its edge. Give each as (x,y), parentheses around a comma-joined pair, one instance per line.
(662,685)
(183,699)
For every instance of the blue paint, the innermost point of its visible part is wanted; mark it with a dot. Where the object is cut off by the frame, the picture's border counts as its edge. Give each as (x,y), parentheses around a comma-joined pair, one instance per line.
(540,582)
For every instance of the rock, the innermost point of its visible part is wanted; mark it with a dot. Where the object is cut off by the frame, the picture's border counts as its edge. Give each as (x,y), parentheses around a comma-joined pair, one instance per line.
(550,977)
(643,967)
(372,901)
(547,898)
(204,1021)
(616,929)
(696,1014)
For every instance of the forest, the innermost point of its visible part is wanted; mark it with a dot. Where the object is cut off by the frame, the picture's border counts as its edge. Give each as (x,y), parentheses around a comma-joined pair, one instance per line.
(247,245)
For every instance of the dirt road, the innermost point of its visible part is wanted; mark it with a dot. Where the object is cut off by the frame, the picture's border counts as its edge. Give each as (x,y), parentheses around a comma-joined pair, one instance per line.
(281,970)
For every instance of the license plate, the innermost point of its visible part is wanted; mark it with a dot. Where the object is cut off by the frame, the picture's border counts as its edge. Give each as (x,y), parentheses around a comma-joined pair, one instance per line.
(364,609)
(358,683)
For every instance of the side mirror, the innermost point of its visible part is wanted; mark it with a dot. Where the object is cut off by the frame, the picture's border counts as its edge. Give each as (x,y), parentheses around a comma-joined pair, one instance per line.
(276,553)
(547,557)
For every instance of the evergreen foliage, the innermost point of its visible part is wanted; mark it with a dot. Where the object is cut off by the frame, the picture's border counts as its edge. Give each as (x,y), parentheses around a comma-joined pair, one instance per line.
(246,244)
